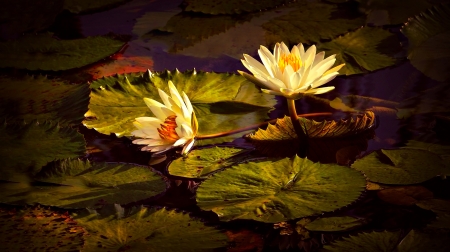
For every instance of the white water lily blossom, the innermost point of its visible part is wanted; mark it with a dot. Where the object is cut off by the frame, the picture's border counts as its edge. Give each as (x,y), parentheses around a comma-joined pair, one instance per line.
(174,124)
(291,73)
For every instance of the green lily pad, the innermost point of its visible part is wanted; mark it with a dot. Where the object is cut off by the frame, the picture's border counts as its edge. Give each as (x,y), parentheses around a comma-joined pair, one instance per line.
(230,7)
(221,102)
(79,184)
(366,49)
(332,224)
(418,241)
(439,149)
(25,148)
(396,12)
(366,242)
(201,163)
(280,139)
(43,52)
(85,6)
(312,22)
(38,98)
(408,166)
(150,230)
(442,210)
(20,16)
(429,35)
(275,191)
(39,229)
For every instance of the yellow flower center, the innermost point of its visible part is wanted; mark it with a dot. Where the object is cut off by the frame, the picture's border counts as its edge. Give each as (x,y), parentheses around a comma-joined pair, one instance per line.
(167,130)
(289,59)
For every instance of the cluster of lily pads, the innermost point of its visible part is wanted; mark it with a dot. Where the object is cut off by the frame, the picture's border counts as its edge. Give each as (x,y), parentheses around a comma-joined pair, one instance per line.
(44,157)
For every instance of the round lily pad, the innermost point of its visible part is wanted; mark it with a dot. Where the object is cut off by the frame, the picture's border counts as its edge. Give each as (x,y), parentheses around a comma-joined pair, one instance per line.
(150,230)
(330,224)
(79,184)
(408,166)
(202,162)
(275,191)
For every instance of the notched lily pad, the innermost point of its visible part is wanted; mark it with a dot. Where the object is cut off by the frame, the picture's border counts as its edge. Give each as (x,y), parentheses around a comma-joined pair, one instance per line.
(44,52)
(332,224)
(150,230)
(38,229)
(222,102)
(203,162)
(274,191)
(366,49)
(363,242)
(79,184)
(401,167)
(441,208)
(230,7)
(312,22)
(25,148)
(429,35)
(38,98)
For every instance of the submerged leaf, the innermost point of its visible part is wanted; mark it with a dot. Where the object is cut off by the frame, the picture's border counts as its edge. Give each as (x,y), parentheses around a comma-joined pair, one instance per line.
(79,184)
(277,191)
(43,52)
(151,230)
(201,163)
(25,148)
(367,49)
(39,98)
(39,229)
(429,35)
(222,102)
(230,7)
(408,166)
(404,195)
(312,22)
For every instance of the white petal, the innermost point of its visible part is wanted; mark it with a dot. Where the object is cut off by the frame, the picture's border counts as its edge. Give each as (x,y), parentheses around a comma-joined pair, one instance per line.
(268,84)
(295,79)
(186,130)
(176,96)
(284,48)
(272,92)
(319,57)
(255,66)
(277,52)
(324,79)
(188,147)
(319,90)
(268,63)
(180,141)
(267,53)
(149,121)
(277,82)
(158,109)
(288,72)
(187,102)
(302,51)
(151,142)
(310,54)
(164,97)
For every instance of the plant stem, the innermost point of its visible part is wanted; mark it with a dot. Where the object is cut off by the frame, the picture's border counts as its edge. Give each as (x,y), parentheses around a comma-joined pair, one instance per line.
(255,126)
(303,139)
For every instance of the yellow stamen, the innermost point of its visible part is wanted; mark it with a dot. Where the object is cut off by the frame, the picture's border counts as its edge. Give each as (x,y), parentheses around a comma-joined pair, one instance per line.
(167,130)
(289,59)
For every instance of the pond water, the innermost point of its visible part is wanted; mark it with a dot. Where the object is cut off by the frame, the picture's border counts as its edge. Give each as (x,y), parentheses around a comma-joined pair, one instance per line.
(401,203)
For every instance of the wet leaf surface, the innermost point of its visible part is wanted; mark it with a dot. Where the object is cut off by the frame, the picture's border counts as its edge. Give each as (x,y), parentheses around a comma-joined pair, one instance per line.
(150,230)
(330,224)
(79,184)
(274,191)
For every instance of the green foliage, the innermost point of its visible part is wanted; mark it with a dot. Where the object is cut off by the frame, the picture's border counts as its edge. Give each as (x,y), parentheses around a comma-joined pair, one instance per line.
(311,23)
(43,52)
(201,163)
(274,191)
(442,210)
(222,102)
(38,229)
(329,224)
(366,49)
(25,148)
(19,16)
(429,35)
(79,184)
(405,166)
(150,230)
(418,241)
(230,7)
(366,242)
(84,6)
(30,98)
